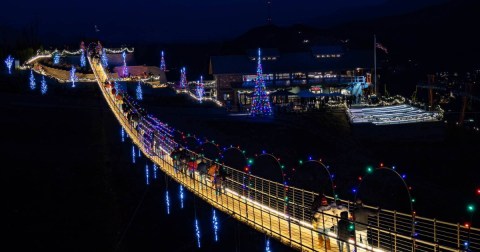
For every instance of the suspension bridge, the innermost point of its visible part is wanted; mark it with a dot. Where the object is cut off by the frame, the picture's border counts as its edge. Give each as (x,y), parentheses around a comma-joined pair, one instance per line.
(284,212)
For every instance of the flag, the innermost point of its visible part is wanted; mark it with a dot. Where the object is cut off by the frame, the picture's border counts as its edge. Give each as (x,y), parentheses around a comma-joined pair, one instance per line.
(381,47)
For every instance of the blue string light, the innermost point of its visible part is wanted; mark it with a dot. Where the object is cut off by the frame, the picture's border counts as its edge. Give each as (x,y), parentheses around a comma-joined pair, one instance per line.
(155,168)
(83,60)
(267,245)
(133,154)
(104,58)
(146,174)
(56,58)
(43,86)
(125,70)
(197,232)
(32,80)
(183,78)
(9,62)
(122,132)
(73,76)
(139,153)
(181,196)
(200,89)
(139,92)
(167,200)
(215,225)
(260,101)
(163,67)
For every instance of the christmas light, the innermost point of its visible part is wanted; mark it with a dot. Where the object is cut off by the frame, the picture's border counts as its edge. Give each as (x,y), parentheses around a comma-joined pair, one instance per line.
(478,191)
(139,153)
(122,132)
(181,196)
(260,101)
(155,168)
(104,58)
(183,78)
(267,245)
(215,225)
(43,87)
(133,154)
(73,76)
(9,62)
(56,57)
(369,169)
(83,61)
(470,208)
(163,67)
(32,80)
(167,201)
(116,85)
(139,92)
(147,175)
(125,70)
(197,232)
(200,90)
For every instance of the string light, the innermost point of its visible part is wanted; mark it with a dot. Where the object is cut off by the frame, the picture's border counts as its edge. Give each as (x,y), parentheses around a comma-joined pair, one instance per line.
(125,70)
(139,92)
(139,153)
(215,225)
(197,232)
(155,168)
(167,200)
(56,57)
(183,78)
(32,80)
(116,85)
(73,76)
(133,154)
(9,62)
(104,58)
(122,132)
(181,196)
(146,174)
(200,90)
(163,67)
(267,245)
(83,60)
(43,87)
(260,101)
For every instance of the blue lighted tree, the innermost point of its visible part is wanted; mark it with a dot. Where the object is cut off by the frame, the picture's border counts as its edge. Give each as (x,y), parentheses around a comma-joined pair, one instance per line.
(200,89)
(163,67)
(104,58)
(9,62)
(125,70)
(183,78)
(139,92)
(43,86)
(56,57)
(73,76)
(83,60)
(260,102)
(32,80)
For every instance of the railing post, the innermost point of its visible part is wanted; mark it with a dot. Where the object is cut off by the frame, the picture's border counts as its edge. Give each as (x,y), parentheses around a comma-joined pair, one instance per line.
(395,230)
(458,236)
(435,235)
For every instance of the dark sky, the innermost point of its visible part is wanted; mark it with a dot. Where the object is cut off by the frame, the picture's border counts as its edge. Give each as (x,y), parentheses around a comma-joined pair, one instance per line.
(186,20)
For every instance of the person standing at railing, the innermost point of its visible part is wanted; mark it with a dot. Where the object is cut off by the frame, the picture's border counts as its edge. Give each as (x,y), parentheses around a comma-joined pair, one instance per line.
(319,208)
(202,170)
(343,232)
(360,216)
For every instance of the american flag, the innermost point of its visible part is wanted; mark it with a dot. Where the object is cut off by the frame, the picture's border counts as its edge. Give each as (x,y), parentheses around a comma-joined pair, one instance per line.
(381,47)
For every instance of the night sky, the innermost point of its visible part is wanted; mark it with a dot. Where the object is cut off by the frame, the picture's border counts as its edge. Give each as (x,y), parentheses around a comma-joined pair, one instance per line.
(187,20)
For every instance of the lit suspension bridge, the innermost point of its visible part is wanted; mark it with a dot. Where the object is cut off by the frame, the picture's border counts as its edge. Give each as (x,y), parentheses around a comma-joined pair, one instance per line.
(284,212)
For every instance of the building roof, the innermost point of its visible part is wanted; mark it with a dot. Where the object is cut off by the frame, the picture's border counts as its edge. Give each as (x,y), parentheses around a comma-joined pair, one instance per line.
(291,62)
(328,49)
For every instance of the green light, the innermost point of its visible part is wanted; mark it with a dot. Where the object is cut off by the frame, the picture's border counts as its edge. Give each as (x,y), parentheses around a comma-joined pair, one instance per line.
(300,161)
(250,161)
(351,227)
(243,152)
(282,166)
(369,169)
(413,200)
(471,208)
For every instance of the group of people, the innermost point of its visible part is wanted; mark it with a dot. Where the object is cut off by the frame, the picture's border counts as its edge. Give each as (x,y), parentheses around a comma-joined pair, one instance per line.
(189,165)
(349,226)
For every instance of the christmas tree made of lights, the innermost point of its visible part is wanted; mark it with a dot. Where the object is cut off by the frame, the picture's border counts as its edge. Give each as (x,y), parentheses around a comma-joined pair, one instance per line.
(260,102)
(183,78)
(163,67)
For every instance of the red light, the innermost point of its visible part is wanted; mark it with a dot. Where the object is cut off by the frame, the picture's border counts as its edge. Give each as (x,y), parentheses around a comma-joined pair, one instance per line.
(478,191)
(359,178)
(381,164)
(467,225)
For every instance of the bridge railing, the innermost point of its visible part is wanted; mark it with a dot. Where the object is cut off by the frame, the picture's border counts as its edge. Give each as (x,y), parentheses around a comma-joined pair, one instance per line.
(387,230)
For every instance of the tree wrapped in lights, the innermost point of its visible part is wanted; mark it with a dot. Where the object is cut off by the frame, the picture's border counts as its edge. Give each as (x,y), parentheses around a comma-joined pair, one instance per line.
(163,67)
(9,62)
(183,78)
(32,80)
(260,103)
(56,57)
(104,58)
(83,60)
(125,70)
(200,90)
(73,76)
(43,85)
(139,92)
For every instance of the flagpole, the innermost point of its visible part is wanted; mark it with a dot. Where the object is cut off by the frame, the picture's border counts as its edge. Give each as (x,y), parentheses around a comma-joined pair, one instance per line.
(375,63)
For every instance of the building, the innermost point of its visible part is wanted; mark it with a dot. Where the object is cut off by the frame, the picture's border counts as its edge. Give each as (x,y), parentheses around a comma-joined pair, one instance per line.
(324,70)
